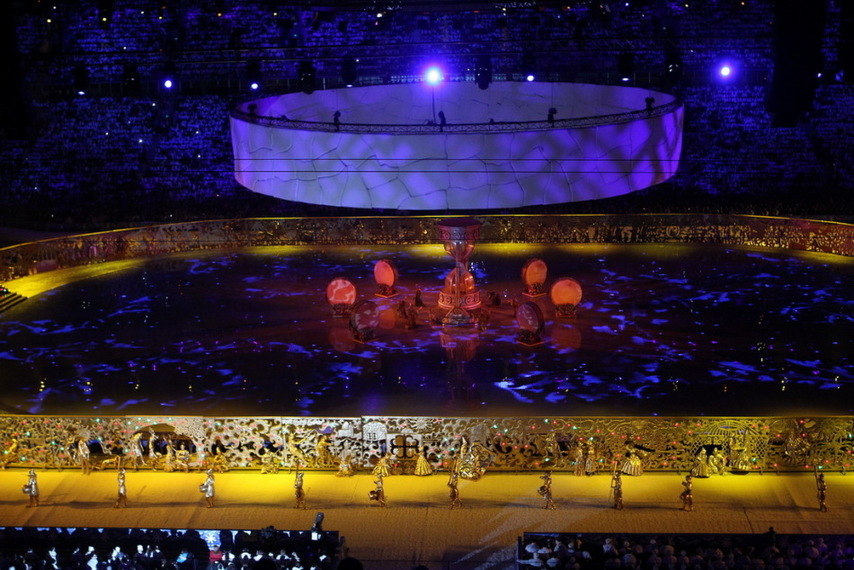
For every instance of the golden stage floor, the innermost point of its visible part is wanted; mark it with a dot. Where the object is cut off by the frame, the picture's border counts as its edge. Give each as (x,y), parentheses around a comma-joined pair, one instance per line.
(417,526)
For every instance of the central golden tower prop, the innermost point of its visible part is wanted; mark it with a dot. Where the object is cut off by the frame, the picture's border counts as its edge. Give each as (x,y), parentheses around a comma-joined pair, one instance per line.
(459,295)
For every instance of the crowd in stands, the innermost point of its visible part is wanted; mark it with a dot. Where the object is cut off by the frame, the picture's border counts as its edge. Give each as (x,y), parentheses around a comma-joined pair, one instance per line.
(132,549)
(98,162)
(686,551)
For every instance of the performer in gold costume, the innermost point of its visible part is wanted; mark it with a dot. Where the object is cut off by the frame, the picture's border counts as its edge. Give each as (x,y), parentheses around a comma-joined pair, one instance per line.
(10,454)
(345,467)
(378,492)
(122,499)
(453,483)
(632,464)
(687,495)
(422,466)
(322,456)
(821,492)
(701,464)
(617,489)
(383,466)
(545,491)
(299,492)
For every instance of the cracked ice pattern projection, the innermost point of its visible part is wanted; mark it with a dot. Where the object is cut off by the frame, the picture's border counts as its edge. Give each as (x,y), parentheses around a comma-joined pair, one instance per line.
(662,329)
(497,150)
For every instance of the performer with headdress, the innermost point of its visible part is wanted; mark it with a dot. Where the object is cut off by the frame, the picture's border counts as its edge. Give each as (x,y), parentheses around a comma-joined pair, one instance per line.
(182,458)
(545,491)
(10,454)
(632,464)
(591,460)
(208,488)
(453,483)
(687,495)
(83,456)
(322,456)
(135,451)
(299,492)
(821,491)
(297,456)
(617,489)
(31,489)
(378,492)
(122,499)
(701,464)
(383,466)
(422,465)
(345,467)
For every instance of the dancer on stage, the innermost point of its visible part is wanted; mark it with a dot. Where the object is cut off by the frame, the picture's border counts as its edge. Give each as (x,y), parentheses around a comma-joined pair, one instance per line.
(687,496)
(378,493)
(422,466)
(135,451)
(83,456)
(632,465)
(322,456)
(345,467)
(31,489)
(208,488)
(545,491)
(299,492)
(383,466)
(617,489)
(821,492)
(453,483)
(10,454)
(122,499)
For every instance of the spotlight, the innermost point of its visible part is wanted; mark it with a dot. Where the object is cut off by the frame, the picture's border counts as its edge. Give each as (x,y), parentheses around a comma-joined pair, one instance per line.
(81,79)
(626,66)
(529,77)
(483,72)
(349,73)
(433,76)
(725,70)
(167,83)
(306,77)
(253,74)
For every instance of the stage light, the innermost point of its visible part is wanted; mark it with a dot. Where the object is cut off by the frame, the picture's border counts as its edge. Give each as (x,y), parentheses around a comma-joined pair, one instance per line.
(483,72)
(626,66)
(529,77)
(306,77)
(725,70)
(167,83)
(254,86)
(349,72)
(433,76)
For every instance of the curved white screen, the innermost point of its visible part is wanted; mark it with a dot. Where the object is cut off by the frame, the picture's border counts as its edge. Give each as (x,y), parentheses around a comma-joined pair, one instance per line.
(497,150)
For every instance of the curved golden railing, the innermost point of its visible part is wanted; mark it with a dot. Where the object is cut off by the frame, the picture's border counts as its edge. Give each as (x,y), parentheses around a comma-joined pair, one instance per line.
(149,241)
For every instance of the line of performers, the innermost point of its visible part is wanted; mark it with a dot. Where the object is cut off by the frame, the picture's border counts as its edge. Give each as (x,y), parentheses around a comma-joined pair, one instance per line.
(377,494)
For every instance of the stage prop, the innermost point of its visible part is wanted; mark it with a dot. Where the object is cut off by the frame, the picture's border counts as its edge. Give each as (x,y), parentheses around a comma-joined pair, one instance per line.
(534,274)
(529,316)
(385,274)
(364,320)
(566,295)
(341,295)
(560,444)
(459,296)
(498,149)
